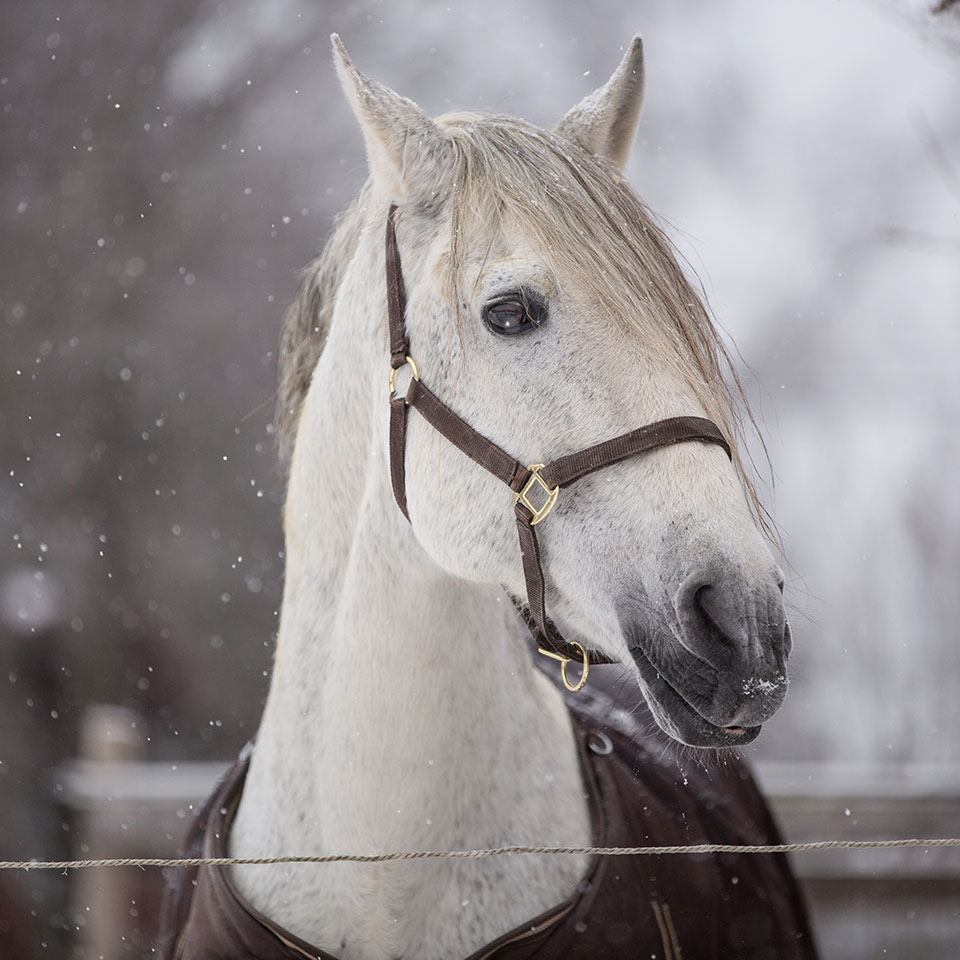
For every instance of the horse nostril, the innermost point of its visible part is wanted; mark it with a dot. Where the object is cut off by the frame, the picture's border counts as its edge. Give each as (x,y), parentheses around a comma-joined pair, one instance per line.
(725,620)
(706,628)
(713,616)
(701,600)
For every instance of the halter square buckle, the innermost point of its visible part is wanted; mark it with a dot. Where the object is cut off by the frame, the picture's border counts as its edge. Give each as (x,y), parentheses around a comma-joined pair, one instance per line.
(539,513)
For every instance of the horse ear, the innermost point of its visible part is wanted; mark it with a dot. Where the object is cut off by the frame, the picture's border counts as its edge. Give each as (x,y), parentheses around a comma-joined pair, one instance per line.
(605,122)
(406,149)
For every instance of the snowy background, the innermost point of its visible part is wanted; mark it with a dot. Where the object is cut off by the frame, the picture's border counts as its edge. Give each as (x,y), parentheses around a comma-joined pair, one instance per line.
(167,168)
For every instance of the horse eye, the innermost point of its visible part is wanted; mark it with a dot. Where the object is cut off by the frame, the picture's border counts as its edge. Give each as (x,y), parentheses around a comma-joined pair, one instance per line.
(512,316)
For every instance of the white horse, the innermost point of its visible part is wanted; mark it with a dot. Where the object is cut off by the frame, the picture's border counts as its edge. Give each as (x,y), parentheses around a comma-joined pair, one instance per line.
(546,307)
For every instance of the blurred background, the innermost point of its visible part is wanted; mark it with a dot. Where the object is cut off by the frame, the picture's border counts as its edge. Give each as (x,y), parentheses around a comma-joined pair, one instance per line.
(168,168)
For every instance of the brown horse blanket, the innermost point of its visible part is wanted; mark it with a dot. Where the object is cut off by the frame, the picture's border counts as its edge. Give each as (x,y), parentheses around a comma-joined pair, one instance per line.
(645,790)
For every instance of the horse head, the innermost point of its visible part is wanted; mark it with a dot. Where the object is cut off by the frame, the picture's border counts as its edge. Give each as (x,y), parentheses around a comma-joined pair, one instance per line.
(546,307)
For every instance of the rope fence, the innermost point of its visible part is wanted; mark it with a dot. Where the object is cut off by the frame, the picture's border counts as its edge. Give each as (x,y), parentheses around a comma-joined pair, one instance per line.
(695,848)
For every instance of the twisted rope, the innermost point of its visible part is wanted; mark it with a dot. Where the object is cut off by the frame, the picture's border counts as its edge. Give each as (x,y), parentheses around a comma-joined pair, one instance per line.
(479,854)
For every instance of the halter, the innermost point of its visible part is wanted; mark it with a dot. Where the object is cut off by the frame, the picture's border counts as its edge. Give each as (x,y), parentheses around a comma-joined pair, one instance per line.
(536,487)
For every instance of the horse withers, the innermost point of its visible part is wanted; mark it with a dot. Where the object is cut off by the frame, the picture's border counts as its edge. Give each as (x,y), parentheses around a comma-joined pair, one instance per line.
(552,371)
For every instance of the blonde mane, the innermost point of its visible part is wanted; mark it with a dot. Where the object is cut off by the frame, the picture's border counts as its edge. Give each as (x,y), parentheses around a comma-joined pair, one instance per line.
(592,229)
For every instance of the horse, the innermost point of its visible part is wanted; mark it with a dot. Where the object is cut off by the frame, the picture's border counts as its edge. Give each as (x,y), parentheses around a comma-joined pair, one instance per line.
(530,303)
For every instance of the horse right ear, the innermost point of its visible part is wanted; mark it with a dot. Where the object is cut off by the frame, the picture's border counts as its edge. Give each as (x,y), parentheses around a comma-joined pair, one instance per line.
(406,150)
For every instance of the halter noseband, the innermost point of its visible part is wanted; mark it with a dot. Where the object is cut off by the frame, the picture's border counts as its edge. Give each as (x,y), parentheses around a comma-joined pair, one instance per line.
(535,487)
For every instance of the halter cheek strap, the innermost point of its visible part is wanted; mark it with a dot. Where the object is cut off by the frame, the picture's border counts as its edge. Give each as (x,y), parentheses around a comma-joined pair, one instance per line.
(536,487)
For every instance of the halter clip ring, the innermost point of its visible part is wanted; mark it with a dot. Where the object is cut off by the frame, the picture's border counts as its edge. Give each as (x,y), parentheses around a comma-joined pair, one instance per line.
(585,667)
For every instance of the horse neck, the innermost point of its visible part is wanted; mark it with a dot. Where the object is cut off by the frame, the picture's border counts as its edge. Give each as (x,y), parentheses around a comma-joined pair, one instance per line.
(402,711)
(377,641)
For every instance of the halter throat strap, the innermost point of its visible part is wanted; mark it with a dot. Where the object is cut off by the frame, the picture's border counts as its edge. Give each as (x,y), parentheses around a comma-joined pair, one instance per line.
(536,487)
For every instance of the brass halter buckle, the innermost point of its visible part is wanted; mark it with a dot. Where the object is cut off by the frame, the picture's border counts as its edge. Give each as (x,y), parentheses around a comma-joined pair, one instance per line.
(539,513)
(564,660)
(409,362)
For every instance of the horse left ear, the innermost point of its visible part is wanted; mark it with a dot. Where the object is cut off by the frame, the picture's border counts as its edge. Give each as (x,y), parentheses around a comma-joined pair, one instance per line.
(407,151)
(604,123)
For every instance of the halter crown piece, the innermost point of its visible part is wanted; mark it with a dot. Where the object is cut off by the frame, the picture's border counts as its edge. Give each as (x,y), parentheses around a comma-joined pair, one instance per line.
(535,487)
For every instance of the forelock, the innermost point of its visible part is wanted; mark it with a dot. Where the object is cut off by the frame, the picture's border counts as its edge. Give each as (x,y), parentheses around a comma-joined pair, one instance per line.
(596,233)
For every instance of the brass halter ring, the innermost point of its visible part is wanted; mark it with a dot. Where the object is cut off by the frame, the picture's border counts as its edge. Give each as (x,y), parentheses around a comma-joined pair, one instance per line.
(584,671)
(409,362)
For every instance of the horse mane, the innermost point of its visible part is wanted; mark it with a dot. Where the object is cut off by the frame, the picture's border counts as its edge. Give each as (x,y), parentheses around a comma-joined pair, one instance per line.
(591,227)
(307,322)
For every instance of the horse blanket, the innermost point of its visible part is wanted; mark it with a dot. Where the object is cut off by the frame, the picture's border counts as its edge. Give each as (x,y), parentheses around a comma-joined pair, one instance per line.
(644,790)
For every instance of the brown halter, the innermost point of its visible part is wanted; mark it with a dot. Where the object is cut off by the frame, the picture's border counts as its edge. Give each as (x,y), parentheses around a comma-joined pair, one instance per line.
(535,487)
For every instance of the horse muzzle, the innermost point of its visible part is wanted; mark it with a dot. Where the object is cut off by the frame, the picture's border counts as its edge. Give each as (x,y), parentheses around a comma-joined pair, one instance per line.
(718,671)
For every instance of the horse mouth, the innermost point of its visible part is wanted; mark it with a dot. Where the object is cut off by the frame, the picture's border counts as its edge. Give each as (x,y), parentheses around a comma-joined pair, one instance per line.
(680,719)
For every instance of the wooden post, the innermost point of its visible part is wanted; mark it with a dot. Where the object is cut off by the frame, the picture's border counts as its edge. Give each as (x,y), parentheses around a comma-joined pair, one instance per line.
(110,736)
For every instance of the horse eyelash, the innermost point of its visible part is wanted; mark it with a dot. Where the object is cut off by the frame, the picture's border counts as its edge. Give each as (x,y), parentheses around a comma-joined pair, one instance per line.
(533,303)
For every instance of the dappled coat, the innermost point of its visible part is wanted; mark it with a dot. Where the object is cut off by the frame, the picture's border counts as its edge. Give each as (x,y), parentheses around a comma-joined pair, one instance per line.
(667,907)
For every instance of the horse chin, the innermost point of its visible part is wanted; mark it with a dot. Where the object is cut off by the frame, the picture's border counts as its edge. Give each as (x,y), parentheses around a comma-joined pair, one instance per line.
(678,718)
